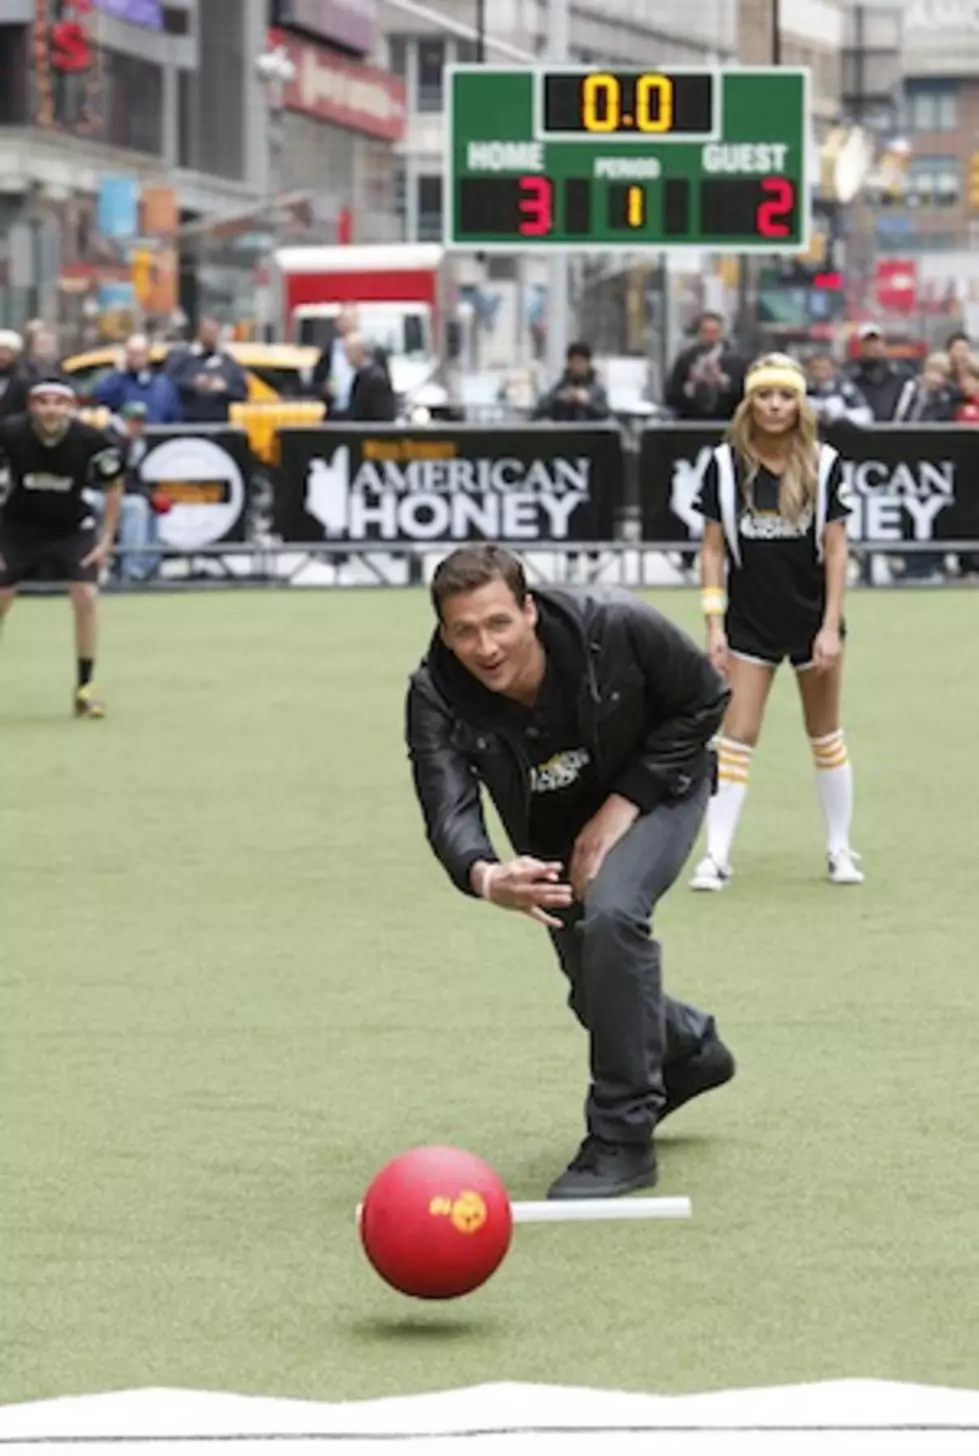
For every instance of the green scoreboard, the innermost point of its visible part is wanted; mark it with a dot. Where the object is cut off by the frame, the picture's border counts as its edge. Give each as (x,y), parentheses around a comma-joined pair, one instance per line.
(569,157)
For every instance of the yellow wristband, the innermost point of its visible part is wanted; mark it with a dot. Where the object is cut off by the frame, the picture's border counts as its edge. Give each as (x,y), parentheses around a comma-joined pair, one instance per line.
(713,601)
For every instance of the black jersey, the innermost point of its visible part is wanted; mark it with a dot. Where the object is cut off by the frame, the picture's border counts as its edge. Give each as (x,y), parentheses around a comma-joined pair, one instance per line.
(776,582)
(47,482)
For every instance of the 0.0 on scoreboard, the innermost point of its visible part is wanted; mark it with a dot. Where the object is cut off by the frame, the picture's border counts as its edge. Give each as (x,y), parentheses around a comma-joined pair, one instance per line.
(579,157)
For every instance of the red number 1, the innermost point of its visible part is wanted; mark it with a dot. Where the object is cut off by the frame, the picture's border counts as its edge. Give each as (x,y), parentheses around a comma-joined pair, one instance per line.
(768,218)
(536,207)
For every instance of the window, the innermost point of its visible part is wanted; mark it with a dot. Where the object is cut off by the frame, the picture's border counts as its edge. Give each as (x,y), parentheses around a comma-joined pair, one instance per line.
(133,103)
(930,108)
(935,181)
(429,209)
(398,55)
(431,61)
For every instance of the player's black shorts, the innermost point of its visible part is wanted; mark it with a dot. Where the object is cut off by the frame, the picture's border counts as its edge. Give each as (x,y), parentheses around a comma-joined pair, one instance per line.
(772,646)
(28,553)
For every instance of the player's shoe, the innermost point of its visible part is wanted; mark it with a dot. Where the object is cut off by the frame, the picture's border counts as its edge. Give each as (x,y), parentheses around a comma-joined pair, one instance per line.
(709,875)
(87,703)
(711,1065)
(606,1170)
(844,868)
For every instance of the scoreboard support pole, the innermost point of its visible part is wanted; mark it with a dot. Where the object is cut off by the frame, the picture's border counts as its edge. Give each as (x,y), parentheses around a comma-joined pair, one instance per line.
(558,292)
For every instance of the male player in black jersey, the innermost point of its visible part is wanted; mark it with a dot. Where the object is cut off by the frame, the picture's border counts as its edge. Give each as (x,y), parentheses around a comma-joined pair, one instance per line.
(46,524)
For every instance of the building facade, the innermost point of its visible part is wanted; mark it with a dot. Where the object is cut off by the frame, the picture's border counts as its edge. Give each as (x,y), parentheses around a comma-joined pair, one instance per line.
(168,97)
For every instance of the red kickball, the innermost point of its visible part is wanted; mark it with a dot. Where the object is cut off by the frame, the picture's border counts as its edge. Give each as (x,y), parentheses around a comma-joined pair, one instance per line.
(436,1223)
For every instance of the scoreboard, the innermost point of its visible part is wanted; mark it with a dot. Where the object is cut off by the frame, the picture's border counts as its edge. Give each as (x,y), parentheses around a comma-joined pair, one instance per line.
(576,158)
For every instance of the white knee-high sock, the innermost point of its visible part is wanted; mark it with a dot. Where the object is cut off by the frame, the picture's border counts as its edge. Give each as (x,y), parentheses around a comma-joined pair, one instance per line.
(834,788)
(724,810)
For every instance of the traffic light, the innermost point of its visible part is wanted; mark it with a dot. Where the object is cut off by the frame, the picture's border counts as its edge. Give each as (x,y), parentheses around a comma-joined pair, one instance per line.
(974,182)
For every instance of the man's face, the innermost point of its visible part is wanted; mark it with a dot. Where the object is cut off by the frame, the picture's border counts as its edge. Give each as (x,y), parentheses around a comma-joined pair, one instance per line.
(709,332)
(578,367)
(209,333)
(51,414)
(491,634)
(873,347)
(45,345)
(7,360)
(346,321)
(137,355)
(821,369)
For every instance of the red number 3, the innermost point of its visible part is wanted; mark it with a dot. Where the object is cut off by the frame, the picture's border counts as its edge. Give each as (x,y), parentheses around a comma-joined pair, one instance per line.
(769,216)
(535,206)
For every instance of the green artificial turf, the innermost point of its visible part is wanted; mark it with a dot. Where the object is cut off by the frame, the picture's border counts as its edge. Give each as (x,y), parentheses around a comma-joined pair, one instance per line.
(233,983)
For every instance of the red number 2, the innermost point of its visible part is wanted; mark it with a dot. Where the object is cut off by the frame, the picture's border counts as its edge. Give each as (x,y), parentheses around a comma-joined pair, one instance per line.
(535,205)
(769,217)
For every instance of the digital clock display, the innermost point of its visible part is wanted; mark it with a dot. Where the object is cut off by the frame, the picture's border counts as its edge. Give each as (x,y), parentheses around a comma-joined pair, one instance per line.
(641,104)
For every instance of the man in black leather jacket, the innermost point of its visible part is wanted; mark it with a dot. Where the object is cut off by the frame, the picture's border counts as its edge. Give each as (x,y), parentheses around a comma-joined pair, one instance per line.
(588,717)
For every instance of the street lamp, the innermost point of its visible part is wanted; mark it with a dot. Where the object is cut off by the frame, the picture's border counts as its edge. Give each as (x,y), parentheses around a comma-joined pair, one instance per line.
(276,70)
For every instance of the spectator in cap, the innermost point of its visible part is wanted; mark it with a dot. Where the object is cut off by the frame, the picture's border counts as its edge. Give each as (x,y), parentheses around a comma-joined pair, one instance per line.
(135,381)
(880,380)
(138,534)
(14,381)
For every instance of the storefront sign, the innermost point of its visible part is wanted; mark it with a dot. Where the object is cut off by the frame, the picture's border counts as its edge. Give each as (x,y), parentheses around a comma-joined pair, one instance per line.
(341,91)
(145,13)
(62,47)
(348,23)
(363,484)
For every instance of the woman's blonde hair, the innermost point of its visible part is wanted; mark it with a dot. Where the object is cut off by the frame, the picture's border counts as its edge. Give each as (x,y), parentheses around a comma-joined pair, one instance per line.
(800,478)
(939,362)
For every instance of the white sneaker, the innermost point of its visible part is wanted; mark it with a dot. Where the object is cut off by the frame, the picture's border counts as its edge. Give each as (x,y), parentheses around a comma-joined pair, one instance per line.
(709,875)
(844,868)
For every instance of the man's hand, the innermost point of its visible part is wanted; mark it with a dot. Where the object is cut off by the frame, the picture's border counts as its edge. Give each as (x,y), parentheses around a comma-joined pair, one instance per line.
(99,553)
(532,886)
(613,820)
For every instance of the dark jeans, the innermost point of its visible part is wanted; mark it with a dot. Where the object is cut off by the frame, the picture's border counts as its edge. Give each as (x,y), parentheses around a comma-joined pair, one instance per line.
(613,966)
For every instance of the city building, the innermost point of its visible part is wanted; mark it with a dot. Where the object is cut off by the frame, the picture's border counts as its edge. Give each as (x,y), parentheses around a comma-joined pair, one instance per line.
(171,99)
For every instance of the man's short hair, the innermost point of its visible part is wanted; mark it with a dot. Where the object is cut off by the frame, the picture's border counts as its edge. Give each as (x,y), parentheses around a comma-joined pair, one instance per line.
(470,567)
(579,350)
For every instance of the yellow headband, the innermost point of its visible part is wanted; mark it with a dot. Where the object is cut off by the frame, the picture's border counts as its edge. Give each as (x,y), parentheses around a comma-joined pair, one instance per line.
(776,376)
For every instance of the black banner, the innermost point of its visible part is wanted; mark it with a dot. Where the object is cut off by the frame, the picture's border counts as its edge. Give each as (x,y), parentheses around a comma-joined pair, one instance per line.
(910,483)
(448,483)
(204,472)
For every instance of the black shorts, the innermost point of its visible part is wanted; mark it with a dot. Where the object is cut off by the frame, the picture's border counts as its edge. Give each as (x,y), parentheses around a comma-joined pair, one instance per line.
(28,553)
(772,647)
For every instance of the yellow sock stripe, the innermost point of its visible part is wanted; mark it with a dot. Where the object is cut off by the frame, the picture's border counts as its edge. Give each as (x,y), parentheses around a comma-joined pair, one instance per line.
(732,775)
(830,752)
(838,760)
(727,748)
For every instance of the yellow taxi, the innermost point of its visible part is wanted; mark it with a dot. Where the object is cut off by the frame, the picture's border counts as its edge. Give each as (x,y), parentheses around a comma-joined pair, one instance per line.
(278,387)
(275,371)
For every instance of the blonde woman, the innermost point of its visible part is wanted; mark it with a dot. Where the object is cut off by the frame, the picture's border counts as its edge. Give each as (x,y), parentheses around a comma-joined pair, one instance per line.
(773,573)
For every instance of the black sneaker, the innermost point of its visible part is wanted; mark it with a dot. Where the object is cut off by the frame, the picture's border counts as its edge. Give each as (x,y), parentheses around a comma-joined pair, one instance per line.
(711,1066)
(606,1170)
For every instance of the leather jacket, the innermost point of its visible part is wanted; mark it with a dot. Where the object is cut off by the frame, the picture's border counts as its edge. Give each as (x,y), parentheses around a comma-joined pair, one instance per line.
(649,703)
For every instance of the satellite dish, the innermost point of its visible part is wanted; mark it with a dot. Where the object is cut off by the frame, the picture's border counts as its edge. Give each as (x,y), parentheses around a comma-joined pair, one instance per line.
(852,165)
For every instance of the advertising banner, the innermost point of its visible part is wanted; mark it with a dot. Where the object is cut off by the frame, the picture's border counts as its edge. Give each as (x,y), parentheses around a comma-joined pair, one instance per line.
(365,484)
(204,472)
(910,483)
